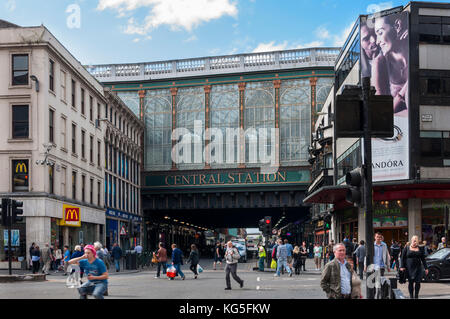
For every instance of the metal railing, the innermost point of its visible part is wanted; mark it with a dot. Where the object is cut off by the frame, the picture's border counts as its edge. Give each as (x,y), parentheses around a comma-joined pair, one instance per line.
(288,59)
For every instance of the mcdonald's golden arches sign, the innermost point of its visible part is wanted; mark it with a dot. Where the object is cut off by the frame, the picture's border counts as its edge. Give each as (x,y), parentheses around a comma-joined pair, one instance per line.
(71,216)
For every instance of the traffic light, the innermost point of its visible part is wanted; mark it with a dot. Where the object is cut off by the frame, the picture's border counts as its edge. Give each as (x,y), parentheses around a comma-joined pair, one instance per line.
(4,212)
(267,225)
(17,211)
(327,221)
(355,179)
(261,225)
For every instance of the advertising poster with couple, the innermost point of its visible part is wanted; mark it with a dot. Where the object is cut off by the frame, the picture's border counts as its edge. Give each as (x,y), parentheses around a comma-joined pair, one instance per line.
(385,59)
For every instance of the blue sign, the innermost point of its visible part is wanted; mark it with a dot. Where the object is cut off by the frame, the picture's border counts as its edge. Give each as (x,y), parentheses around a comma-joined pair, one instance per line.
(122,215)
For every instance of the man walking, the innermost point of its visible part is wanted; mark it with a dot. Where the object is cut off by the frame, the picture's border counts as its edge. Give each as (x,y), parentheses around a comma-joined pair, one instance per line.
(381,255)
(336,279)
(360,254)
(46,257)
(232,257)
(290,249)
(116,253)
(161,255)
(282,254)
(177,260)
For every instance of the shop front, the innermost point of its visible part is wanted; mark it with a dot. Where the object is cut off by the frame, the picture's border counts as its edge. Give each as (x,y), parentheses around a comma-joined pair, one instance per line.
(349,224)
(433,220)
(390,218)
(118,230)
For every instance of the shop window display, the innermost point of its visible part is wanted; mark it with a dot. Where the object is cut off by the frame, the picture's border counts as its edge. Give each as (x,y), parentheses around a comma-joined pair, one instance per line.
(391,219)
(433,214)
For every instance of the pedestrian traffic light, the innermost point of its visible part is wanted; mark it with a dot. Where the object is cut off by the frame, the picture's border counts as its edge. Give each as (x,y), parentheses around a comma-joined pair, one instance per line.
(17,212)
(261,225)
(327,221)
(267,225)
(4,212)
(354,179)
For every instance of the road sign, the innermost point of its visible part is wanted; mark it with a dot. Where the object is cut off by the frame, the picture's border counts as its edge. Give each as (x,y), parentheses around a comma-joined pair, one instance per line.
(274,231)
(123,231)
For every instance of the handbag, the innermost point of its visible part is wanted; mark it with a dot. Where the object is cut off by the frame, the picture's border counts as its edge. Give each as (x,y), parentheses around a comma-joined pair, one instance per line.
(154,259)
(171,272)
(273,264)
(199,268)
(401,276)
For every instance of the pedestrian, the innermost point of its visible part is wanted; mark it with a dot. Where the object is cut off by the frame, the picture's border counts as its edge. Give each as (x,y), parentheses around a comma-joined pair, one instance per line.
(395,253)
(426,249)
(360,254)
(311,251)
(116,254)
(30,250)
(282,254)
(66,258)
(232,257)
(303,255)
(355,246)
(338,279)
(348,248)
(97,274)
(99,251)
(380,255)
(413,258)
(262,256)
(330,250)
(194,259)
(161,256)
(297,259)
(35,258)
(317,255)
(218,254)
(58,257)
(46,257)
(290,249)
(441,244)
(177,261)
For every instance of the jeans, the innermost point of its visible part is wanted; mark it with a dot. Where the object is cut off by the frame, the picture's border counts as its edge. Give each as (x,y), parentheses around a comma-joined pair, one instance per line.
(97,289)
(261,263)
(164,266)
(231,268)
(361,270)
(193,268)
(117,263)
(303,262)
(178,268)
(282,262)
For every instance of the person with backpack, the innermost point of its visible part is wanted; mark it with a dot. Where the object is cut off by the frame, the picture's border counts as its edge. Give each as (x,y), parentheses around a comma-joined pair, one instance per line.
(282,254)
(232,257)
(177,260)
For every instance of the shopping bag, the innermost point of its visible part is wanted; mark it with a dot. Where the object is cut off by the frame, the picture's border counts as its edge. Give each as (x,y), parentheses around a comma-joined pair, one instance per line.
(273,264)
(199,269)
(171,272)
(73,280)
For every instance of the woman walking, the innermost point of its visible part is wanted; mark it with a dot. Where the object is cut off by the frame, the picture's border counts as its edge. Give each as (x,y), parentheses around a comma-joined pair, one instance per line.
(413,257)
(35,258)
(194,258)
(303,255)
(317,255)
(297,259)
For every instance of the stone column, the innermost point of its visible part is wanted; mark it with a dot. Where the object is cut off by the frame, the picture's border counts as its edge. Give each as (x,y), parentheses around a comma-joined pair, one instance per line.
(414,218)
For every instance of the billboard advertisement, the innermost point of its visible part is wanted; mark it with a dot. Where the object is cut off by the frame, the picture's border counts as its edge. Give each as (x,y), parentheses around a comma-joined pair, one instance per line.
(385,59)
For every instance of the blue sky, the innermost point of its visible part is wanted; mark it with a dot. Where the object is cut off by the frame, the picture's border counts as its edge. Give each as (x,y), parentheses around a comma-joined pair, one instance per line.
(119,31)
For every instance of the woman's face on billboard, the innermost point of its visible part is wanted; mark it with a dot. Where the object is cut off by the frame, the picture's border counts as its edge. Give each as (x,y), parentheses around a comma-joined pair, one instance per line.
(385,35)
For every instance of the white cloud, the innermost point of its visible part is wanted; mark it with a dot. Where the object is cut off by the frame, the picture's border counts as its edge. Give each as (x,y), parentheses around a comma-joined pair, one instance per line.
(177,14)
(339,39)
(191,39)
(322,32)
(270,46)
(377,7)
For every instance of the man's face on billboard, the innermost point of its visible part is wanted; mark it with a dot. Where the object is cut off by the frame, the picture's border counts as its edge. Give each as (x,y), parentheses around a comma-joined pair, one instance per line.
(369,41)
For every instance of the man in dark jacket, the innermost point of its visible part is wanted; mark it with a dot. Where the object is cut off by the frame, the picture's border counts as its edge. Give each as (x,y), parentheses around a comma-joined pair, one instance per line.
(395,252)
(177,260)
(116,253)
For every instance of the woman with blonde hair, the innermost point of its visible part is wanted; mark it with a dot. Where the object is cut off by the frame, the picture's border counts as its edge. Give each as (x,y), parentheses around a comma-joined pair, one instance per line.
(413,257)
(296,256)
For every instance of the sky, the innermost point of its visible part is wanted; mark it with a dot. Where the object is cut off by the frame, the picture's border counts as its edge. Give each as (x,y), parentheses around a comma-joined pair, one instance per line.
(133,31)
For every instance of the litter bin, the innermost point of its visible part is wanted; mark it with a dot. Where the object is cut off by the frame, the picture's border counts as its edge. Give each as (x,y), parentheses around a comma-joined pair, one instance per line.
(130,260)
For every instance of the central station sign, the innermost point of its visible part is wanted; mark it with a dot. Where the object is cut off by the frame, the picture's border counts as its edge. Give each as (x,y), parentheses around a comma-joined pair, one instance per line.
(228,179)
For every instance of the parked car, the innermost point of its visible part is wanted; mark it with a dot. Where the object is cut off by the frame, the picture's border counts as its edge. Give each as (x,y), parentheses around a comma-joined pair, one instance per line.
(438,265)
(242,250)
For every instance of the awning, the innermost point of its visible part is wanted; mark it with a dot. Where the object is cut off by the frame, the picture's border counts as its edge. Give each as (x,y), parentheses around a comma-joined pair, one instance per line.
(327,195)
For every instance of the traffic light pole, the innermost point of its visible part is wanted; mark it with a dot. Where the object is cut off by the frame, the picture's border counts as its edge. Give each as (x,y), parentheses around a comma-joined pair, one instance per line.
(370,292)
(10,222)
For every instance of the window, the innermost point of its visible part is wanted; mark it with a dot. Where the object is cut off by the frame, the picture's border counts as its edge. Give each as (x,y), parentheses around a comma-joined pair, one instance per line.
(434,147)
(63,86)
(91,190)
(99,145)
(63,181)
(430,32)
(20,69)
(82,101)
(51,120)
(74,86)
(83,135)
(51,186)
(74,184)
(434,29)
(98,111)
(99,188)
(63,132)
(91,108)
(83,188)
(91,149)
(20,122)
(20,175)
(51,78)
(74,138)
